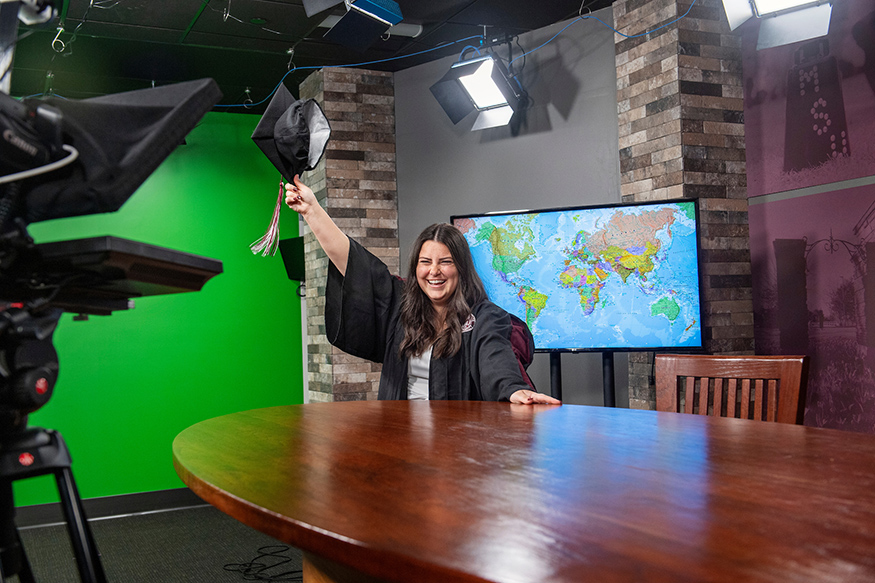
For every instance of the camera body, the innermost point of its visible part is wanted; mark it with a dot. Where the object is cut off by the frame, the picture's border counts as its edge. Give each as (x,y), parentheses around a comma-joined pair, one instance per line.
(30,136)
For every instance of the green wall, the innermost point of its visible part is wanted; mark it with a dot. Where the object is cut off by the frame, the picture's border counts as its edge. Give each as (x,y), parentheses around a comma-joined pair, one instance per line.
(131,381)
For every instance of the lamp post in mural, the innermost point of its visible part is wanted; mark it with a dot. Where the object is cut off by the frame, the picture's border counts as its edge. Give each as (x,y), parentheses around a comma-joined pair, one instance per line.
(862,309)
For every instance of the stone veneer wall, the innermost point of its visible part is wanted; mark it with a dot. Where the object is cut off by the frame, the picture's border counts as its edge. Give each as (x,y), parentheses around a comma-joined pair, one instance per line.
(681,130)
(355,183)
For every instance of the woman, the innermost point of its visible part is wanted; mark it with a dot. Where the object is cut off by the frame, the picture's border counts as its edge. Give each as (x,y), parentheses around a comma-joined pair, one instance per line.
(437,334)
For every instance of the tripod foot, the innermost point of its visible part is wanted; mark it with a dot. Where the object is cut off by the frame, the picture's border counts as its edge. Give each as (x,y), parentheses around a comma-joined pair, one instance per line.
(37,452)
(13,560)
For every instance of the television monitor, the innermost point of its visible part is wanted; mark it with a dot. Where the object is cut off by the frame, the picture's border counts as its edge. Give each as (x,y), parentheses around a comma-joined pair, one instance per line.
(596,278)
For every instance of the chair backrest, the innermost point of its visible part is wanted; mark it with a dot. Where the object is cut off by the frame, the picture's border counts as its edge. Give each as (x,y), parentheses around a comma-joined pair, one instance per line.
(767,388)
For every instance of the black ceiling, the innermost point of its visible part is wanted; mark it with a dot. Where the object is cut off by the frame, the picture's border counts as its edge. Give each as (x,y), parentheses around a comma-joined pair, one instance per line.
(109,46)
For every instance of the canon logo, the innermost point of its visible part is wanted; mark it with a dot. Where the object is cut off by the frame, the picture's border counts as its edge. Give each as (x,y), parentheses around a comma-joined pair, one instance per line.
(22,145)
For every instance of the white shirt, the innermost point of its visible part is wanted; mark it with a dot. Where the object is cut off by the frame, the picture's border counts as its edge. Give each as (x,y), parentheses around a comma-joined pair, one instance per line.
(417,376)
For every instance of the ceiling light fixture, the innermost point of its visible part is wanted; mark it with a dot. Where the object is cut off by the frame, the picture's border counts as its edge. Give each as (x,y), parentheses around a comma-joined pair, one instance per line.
(783,21)
(364,22)
(481,84)
(403,29)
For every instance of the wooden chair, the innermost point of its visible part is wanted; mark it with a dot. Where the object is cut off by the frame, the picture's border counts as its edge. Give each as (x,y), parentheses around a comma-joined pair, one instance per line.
(767,388)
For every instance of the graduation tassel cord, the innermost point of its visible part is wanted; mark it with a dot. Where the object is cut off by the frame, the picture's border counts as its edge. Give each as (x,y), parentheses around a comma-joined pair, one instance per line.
(269,243)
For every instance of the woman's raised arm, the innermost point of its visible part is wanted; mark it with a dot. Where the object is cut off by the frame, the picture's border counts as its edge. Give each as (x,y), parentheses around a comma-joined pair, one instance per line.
(333,241)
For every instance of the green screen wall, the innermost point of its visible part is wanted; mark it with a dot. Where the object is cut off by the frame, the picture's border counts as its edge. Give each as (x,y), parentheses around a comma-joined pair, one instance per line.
(131,381)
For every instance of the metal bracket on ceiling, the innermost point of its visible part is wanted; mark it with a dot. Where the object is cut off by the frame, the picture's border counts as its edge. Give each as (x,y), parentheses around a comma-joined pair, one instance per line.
(291,53)
(57,44)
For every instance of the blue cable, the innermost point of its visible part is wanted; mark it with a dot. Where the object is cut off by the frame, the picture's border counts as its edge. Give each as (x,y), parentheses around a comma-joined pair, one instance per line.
(43,95)
(469,47)
(351,65)
(481,37)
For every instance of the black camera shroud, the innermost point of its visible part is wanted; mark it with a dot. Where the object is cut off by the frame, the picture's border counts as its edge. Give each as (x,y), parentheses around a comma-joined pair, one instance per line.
(117,141)
(121,139)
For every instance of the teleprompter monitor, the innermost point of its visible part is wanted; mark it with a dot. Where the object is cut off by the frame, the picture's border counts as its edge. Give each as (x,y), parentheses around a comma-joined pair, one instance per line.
(595,278)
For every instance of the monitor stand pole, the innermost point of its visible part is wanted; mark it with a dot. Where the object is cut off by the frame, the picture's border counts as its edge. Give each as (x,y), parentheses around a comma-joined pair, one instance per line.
(37,452)
(608,379)
(556,375)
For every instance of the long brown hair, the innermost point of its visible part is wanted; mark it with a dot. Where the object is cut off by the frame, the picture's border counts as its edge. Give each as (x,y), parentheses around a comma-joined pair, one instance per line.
(418,316)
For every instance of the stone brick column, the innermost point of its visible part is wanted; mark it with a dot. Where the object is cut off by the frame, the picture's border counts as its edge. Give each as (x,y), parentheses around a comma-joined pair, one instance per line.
(355,183)
(681,129)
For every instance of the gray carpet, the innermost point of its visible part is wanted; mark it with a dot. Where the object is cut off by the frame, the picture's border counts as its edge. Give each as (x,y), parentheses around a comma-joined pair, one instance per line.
(189,545)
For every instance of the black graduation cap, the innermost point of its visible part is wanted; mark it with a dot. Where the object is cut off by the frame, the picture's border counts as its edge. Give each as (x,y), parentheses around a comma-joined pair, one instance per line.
(292,134)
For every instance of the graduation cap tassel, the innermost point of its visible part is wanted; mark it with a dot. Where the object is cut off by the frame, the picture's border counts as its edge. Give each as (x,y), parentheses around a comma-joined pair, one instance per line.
(269,243)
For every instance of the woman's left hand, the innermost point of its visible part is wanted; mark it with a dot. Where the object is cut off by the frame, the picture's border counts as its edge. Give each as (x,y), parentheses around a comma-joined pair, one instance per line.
(524,397)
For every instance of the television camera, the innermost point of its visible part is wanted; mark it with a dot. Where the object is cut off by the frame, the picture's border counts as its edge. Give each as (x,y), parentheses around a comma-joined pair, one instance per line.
(64,158)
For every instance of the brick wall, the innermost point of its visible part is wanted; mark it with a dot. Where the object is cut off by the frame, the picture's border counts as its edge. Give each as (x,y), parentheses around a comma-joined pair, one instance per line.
(681,130)
(355,183)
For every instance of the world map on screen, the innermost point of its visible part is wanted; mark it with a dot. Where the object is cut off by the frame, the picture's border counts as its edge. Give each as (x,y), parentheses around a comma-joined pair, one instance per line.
(615,277)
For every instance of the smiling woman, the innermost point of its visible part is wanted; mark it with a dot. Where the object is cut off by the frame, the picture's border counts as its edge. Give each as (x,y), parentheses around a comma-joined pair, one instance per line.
(432,313)
(436,273)
(437,334)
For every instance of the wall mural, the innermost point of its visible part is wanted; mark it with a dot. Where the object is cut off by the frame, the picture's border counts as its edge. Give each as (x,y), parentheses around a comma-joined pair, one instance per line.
(809,107)
(813,267)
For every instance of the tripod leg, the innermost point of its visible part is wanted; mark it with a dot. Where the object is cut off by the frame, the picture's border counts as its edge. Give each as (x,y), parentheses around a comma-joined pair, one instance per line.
(25,574)
(13,560)
(84,548)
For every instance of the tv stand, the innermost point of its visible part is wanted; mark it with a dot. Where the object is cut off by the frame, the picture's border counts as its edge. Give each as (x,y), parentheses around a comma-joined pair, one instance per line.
(556,375)
(608,383)
(608,379)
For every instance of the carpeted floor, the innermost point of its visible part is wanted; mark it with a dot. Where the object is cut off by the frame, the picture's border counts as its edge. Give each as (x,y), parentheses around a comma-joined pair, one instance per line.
(187,545)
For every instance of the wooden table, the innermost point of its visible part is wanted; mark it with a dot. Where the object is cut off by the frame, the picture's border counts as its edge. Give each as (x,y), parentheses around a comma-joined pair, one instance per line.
(438,492)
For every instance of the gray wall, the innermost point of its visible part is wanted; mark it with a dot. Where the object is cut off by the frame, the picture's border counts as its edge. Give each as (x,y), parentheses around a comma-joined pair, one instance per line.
(565,154)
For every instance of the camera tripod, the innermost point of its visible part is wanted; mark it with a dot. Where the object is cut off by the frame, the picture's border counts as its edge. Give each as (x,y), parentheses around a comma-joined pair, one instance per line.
(37,452)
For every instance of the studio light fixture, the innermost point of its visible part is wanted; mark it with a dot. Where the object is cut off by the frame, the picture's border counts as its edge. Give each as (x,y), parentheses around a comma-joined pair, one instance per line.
(403,29)
(782,21)
(482,84)
(364,22)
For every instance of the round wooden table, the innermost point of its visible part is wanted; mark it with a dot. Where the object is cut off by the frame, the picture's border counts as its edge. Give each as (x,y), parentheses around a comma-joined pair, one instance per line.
(437,492)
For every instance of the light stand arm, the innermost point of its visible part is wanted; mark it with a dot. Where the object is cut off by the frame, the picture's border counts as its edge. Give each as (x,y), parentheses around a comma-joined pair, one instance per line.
(8,32)
(11,11)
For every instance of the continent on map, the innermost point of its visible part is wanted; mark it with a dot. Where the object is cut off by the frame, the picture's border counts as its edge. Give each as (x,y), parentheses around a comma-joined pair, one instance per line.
(667,307)
(534,301)
(511,246)
(631,260)
(588,282)
(626,230)
(628,242)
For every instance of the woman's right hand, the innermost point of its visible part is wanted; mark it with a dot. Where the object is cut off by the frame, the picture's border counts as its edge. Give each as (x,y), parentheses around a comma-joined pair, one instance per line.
(299,196)
(301,199)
